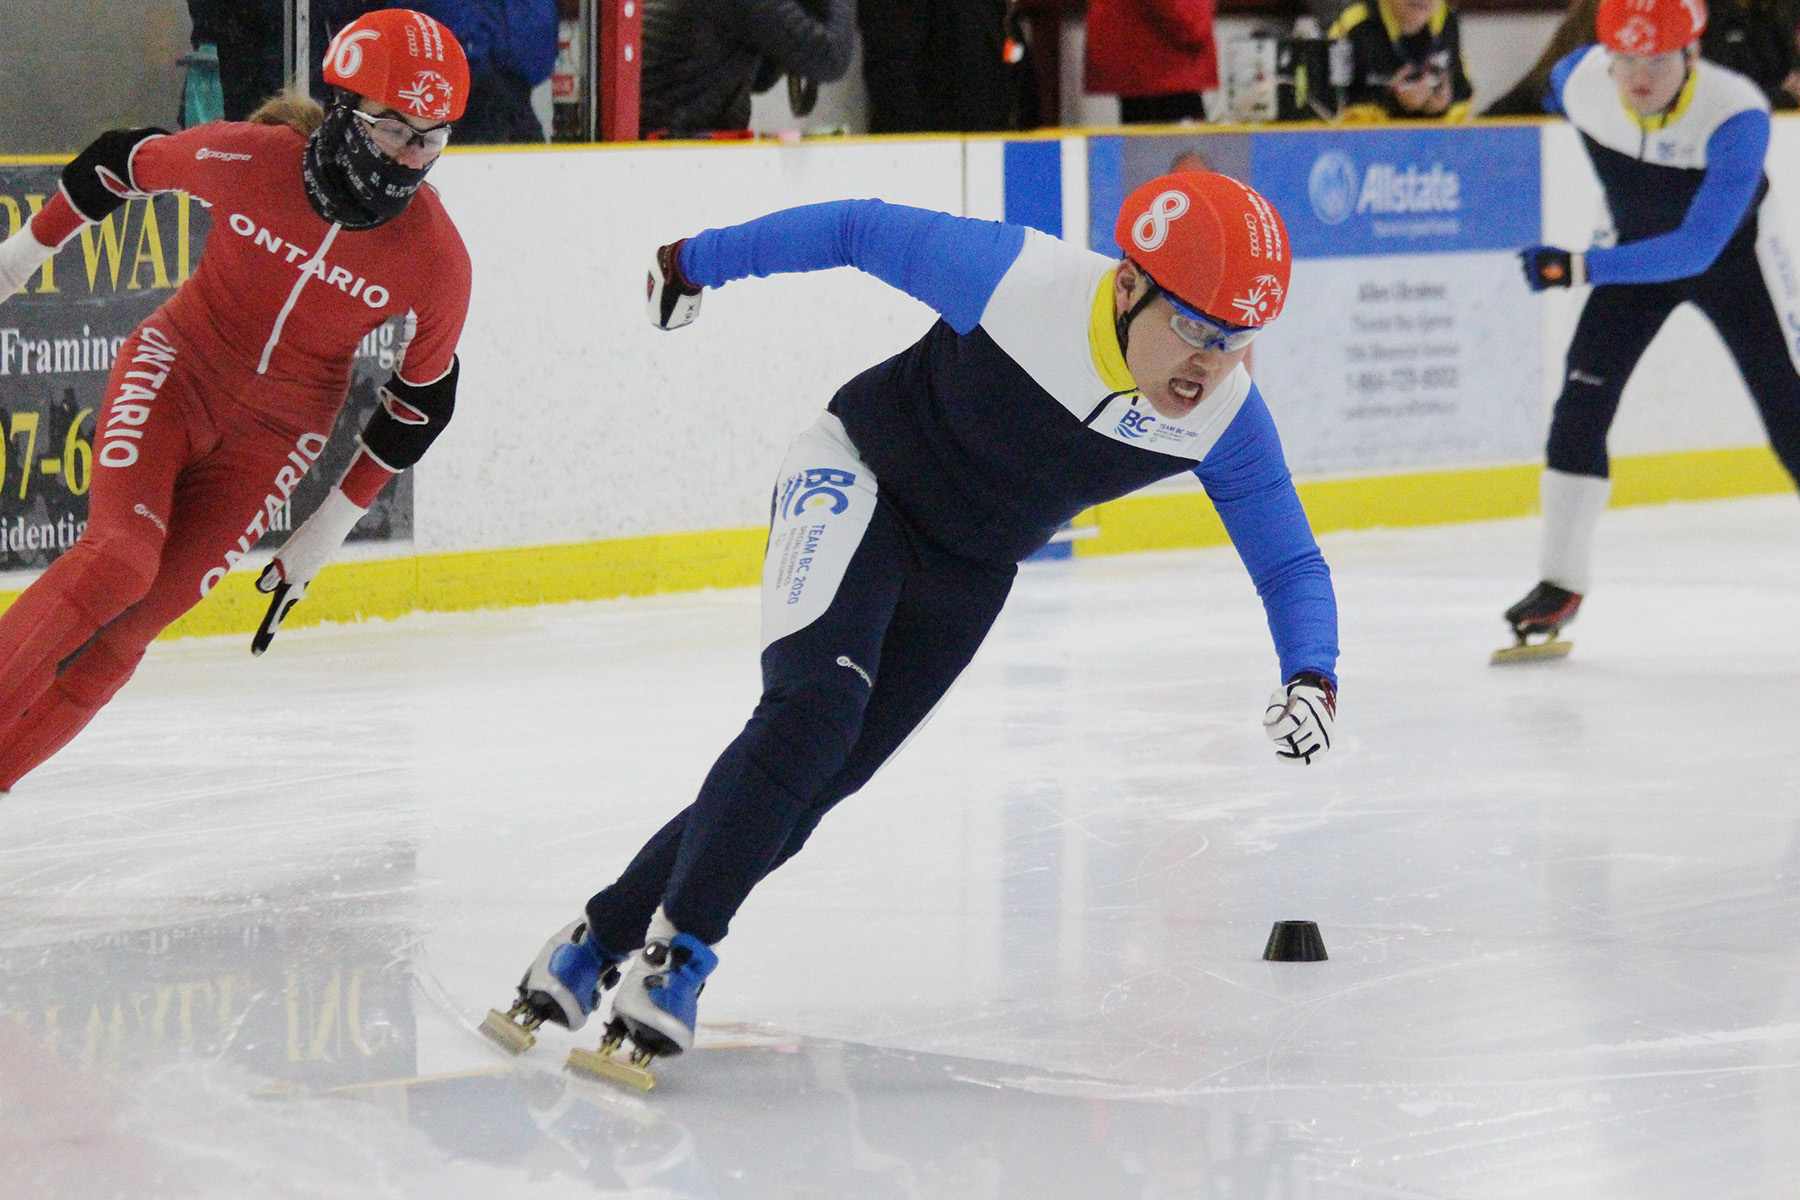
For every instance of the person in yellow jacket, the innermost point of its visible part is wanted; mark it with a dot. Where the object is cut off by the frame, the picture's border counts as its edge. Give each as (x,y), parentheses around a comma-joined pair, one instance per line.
(1406,58)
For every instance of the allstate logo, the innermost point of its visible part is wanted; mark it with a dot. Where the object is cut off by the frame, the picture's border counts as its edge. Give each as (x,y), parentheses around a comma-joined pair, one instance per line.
(1332,187)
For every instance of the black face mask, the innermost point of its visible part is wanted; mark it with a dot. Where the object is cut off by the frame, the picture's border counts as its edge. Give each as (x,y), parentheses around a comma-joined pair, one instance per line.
(349,181)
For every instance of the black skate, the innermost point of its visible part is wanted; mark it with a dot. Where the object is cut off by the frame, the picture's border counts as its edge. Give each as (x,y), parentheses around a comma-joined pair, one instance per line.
(1544,611)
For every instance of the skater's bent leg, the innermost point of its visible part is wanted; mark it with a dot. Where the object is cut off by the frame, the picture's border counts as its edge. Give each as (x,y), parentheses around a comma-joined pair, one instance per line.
(1571,505)
(763,785)
(1617,324)
(212,503)
(65,708)
(94,581)
(943,616)
(619,914)
(835,568)
(1740,308)
(118,555)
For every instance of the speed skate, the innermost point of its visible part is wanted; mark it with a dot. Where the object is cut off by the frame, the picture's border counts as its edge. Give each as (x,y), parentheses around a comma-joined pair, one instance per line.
(613,1061)
(562,986)
(1524,650)
(1544,611)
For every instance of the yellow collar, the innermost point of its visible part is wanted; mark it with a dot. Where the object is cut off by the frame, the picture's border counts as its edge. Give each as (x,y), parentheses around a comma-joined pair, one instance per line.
(1391,22)
(1103,340)
(1669,115)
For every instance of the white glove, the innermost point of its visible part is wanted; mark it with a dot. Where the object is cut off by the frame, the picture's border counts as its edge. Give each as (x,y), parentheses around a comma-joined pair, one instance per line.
(20,257)
(1300,716)
(306,551)
(671,299)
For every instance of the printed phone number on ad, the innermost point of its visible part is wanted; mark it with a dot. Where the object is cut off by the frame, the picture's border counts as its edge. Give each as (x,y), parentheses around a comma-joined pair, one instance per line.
(72,462)
(1402,379)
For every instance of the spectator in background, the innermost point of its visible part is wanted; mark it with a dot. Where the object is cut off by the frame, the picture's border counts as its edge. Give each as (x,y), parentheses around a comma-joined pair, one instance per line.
(511,45)
(703,58)
(247,34)
(1157,56)
(1407,61)
(1755,38)
(944,66)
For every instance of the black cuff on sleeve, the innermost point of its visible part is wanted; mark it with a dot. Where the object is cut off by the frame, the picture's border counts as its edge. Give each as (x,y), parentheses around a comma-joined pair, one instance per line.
(410,418)
(98,179)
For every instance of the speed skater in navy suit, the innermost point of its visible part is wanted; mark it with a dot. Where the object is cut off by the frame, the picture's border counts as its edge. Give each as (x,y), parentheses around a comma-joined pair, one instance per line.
(1056,378)
(1679,145)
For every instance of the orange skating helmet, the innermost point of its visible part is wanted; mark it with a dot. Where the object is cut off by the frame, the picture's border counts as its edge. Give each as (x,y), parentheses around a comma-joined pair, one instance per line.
(1649,26)
(1214,245)
(402,59)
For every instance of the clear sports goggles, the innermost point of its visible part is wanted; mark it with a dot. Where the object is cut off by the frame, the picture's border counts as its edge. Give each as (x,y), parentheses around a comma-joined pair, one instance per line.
(395,135)
(1207,333)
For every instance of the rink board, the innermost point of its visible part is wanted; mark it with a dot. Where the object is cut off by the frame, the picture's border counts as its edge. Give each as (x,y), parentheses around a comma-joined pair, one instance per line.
(594,456)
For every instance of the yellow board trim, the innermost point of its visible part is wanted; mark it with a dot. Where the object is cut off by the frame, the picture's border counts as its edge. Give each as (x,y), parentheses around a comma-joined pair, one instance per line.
(677,562)
(1171,520)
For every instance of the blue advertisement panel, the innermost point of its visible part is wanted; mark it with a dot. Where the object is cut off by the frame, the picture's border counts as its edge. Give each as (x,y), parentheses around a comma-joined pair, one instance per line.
(1346,193)
(1119,163)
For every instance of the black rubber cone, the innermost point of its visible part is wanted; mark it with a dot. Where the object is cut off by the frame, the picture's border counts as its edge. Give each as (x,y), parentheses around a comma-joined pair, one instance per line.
(1295,941)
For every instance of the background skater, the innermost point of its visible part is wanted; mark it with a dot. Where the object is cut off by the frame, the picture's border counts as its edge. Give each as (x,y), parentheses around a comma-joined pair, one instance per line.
(1678,144)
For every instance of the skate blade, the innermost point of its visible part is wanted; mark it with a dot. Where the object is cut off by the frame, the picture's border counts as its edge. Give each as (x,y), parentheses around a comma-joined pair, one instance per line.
(507,1032)
(602,1065)
(1526,652)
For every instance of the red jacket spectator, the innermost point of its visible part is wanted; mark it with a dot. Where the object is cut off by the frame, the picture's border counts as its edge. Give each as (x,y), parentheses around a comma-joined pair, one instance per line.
(1151,47)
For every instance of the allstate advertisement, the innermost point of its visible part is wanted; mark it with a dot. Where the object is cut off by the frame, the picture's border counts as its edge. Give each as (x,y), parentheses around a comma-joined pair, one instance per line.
(1409,339)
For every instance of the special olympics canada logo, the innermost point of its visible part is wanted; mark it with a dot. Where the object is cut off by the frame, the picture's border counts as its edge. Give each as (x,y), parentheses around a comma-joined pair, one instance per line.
(1258,302)
(428,95)
(1637,36)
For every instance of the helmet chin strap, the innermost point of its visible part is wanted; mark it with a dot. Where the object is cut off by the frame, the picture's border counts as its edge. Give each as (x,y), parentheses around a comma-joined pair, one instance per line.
(1122,322)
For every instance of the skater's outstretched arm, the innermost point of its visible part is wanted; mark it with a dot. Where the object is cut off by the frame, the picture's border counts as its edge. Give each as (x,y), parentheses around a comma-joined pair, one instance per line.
(1734,172)
(1247,479)
(951,263)
(122,164)
(96,181)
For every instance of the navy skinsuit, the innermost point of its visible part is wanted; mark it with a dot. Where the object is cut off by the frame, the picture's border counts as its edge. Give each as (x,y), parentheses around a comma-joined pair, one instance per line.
(898,521)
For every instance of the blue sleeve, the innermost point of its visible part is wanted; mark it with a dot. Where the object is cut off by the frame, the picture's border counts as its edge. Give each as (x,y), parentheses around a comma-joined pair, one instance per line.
(1247,480)
(951,263)
(1734,170)
(1559,78)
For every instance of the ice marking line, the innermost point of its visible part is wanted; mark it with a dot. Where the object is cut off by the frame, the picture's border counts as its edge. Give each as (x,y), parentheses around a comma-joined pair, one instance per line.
(1703,1041)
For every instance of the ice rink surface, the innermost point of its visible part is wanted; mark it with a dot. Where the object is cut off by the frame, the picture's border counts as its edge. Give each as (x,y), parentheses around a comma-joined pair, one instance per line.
(249,920)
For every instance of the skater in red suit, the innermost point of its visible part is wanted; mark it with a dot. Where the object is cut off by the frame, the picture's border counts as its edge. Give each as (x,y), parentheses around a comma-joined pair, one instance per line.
(221,400)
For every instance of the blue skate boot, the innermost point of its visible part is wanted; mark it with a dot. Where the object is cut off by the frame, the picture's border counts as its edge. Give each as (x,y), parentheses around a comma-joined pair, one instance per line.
(562,986)
(655,1006)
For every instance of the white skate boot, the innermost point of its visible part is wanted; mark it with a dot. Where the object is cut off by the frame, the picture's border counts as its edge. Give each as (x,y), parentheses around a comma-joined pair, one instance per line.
(562,986)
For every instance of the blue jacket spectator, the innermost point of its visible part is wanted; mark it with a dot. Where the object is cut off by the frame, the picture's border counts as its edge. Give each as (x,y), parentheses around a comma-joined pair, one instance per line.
(511,47)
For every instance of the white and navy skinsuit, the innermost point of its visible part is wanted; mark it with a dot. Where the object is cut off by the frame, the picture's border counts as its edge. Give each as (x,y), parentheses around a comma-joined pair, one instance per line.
(1695,222)
(898,520)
